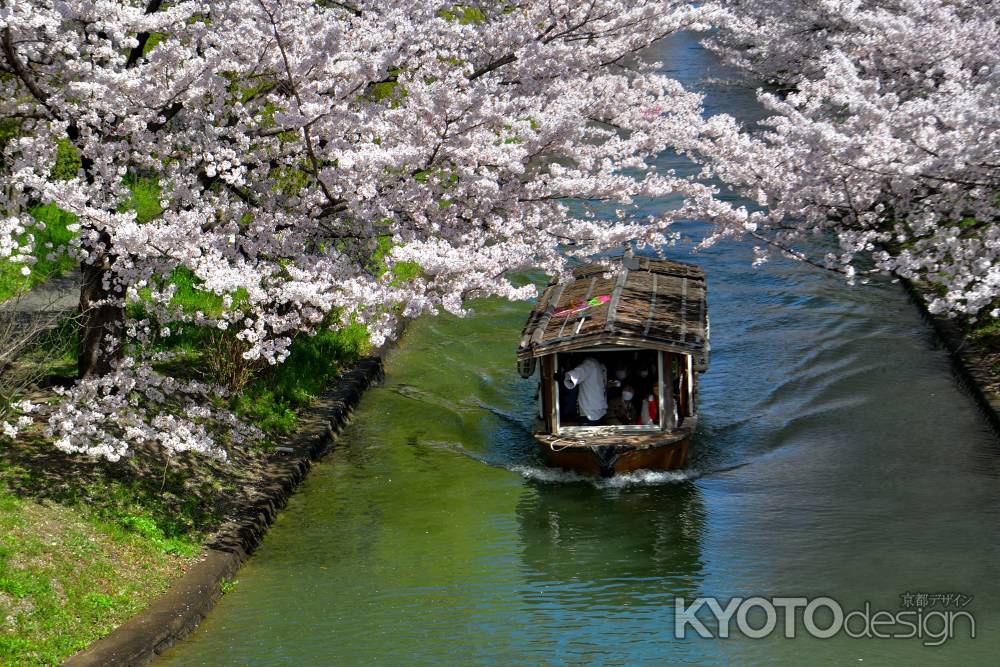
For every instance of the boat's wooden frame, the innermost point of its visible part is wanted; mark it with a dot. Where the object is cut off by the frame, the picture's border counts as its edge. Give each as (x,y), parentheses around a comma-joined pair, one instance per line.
(622,453)
(611,450)
(630,323)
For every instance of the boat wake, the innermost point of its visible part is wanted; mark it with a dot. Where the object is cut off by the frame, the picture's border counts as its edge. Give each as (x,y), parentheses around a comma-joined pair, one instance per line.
(637,478)
(541,473)
(517,421)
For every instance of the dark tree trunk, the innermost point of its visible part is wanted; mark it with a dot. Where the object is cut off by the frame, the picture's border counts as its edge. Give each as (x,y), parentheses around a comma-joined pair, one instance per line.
(101,324)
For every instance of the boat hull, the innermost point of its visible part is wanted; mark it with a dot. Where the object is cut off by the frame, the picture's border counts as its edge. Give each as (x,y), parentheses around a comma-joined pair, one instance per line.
(613,459)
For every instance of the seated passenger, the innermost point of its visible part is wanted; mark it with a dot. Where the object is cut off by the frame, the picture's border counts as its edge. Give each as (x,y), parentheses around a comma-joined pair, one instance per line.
(621,408)
(620,378)
(650,407)
(645,380)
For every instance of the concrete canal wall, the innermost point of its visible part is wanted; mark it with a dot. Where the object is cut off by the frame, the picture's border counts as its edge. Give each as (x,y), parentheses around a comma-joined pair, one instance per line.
(978,370)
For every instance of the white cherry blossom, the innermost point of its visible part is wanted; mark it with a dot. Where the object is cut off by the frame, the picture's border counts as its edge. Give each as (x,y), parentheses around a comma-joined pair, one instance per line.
(292,139)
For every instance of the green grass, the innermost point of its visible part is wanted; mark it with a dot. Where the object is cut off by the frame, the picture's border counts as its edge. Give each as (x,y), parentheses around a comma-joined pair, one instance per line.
(169,519)
(145,199)
(463,14)
(402,272)
(188,296)
(166,507)
(56,233)
(68,161)
(986,330)
(68,578)
(274,399)
(86,545)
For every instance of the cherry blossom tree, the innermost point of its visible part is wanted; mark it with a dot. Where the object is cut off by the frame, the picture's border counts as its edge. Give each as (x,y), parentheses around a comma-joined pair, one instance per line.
(293,141)
(889,139)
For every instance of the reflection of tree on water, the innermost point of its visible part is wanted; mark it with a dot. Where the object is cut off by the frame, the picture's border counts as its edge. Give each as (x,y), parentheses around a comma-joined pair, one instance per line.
(584,548)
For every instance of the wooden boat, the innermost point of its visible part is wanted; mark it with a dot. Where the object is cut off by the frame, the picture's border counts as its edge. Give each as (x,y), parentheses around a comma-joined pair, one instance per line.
(648,320)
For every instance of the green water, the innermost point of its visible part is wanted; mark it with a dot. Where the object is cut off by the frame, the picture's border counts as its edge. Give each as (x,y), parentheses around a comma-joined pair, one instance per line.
(836,456)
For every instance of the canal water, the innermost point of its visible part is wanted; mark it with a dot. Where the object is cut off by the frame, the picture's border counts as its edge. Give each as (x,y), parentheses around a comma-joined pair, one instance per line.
(836,456)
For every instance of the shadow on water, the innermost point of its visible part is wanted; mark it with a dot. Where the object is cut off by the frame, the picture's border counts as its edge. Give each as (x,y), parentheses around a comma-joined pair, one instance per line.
(609,558)
(654,534)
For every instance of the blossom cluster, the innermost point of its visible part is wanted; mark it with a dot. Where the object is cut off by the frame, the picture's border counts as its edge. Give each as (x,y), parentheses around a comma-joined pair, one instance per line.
(884,133)
(102,416)
(304,149)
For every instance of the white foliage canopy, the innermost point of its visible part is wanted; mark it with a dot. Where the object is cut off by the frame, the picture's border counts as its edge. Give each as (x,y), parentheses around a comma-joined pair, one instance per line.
(291,139)
(305,148)
(888,136)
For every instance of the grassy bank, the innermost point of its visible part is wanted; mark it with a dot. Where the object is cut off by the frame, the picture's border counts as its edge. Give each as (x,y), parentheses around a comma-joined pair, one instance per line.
(984,332)
(86,544)
(983,339)
(68,577)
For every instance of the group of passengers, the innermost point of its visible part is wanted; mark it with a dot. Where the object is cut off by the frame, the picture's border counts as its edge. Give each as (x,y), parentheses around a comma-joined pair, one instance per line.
(630,397)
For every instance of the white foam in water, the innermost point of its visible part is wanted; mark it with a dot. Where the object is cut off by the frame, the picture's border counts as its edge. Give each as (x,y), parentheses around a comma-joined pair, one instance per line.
(637,478)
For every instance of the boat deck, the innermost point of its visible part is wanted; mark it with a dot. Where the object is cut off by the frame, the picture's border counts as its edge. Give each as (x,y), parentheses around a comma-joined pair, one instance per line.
(603,437)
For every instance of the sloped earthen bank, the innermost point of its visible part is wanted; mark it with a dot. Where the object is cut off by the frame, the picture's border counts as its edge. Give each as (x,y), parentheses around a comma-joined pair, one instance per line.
(177,612)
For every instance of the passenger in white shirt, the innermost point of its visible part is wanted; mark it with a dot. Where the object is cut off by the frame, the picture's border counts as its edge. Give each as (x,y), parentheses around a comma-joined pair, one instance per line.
(592,377)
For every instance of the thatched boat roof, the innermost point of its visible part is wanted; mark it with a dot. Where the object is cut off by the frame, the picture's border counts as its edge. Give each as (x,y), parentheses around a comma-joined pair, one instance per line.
(643,303)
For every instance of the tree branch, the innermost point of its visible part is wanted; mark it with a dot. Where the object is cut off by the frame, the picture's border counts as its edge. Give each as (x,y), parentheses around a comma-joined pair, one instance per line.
(21,72)
(496,64)
(306,134)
